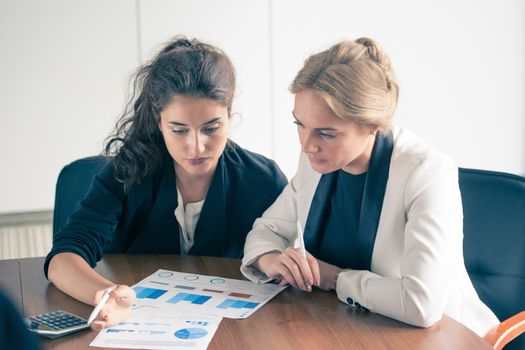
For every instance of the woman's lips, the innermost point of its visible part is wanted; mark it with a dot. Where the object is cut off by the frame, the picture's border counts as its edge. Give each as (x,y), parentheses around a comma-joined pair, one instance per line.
(315,160)
(197,161)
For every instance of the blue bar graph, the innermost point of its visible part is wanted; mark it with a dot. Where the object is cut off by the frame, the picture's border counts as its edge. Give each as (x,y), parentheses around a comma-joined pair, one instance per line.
(192,298)
(237,304)
(148,293)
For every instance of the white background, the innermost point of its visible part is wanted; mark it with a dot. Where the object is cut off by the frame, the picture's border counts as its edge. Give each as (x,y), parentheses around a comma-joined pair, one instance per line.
(65,65)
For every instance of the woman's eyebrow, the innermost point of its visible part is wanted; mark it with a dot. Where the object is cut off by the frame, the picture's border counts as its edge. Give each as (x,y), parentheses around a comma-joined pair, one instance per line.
(316,129)
(214,120)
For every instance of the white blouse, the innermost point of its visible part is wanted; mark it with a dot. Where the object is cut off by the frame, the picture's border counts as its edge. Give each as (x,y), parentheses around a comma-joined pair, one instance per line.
(187,216)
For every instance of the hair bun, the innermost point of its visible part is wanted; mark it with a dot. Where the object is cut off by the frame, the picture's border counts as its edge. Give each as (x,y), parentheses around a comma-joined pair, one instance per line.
(179,41)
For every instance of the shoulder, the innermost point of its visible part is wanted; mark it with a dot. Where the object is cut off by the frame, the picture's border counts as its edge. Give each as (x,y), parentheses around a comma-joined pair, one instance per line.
(76,178)
(414,161)
(250,163)
(410,153)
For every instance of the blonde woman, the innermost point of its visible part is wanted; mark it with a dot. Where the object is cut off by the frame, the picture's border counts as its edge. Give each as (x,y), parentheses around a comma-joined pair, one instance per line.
(380,209)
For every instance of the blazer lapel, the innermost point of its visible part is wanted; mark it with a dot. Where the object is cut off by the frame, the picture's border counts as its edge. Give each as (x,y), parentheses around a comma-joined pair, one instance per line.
(374,193)
(160,232)
(318,213)
(211,228)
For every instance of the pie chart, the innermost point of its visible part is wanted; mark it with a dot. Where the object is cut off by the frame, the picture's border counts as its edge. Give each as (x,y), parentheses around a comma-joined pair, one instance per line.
(191,333)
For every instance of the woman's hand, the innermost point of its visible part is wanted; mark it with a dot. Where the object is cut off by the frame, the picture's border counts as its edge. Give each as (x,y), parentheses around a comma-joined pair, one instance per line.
(291,267)
(328,274)
(116,309)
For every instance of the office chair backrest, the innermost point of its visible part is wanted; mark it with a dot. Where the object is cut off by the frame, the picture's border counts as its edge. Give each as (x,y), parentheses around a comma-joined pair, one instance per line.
(72,186)
(494,240)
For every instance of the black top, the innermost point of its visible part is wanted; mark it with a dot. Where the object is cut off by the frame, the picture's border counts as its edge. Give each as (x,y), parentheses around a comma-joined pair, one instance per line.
(343,221)
(13,330)
(371,204)
(142,220)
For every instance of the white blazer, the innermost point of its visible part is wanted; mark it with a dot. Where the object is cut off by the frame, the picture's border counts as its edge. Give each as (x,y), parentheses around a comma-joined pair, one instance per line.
(417,272)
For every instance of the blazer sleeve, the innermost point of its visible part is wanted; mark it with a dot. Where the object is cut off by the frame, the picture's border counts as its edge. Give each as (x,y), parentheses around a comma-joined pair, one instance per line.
(275,230)
(93,223)
(431,239)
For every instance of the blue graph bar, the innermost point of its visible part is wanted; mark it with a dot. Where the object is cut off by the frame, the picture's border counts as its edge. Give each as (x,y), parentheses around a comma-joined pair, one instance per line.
(148,293)
(251,305)
(226,304)
(192,298)
(236,304)
(201,300)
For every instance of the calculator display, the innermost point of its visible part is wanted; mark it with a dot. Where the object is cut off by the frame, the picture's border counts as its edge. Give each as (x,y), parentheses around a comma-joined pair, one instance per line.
(56,324)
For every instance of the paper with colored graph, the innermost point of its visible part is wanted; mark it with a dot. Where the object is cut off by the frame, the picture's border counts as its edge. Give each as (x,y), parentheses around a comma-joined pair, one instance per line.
(163,332)
(201,294)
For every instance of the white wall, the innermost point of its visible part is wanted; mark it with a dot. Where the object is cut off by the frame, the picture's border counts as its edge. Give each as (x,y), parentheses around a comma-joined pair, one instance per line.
(64,66)
(460,65)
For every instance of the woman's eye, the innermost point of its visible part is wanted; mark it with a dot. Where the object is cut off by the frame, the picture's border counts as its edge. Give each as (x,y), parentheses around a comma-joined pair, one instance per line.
(298,124)
(326,136)
(179,131)
(210,130)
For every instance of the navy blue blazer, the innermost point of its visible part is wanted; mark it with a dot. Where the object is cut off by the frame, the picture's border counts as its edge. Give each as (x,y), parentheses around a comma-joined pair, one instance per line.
(142,220)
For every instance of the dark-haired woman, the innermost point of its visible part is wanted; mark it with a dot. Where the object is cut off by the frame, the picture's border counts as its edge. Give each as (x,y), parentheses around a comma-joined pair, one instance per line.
(175,183)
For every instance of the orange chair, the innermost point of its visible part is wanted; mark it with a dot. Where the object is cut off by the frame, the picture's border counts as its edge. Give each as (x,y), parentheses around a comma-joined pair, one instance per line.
(494,249)
(506,331)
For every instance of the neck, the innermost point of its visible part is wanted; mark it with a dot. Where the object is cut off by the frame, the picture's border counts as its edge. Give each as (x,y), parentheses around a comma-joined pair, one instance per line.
(193,188)
(361,163)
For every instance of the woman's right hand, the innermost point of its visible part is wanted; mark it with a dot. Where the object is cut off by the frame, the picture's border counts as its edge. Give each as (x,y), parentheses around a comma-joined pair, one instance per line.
(291,267)
(116,309)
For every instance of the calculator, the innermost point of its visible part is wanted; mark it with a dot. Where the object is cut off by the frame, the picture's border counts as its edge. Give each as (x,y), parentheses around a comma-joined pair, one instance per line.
(56,324)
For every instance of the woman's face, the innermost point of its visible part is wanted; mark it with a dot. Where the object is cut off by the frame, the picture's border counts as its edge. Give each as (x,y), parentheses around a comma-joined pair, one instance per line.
(195,131)
(331,143)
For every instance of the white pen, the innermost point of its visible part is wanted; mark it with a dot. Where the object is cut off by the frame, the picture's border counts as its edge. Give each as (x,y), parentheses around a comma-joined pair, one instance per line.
(300,238)
(100,304)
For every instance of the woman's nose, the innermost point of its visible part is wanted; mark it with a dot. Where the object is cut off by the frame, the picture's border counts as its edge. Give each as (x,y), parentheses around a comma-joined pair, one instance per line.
(197,147)
(309,145)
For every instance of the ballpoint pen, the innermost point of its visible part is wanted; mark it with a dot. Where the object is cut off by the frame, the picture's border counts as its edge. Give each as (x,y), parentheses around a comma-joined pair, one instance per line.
(100,304)
(300,238)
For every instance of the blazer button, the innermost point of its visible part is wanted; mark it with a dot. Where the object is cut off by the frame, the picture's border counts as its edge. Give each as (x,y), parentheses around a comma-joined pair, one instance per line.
(350,301)
(358,306)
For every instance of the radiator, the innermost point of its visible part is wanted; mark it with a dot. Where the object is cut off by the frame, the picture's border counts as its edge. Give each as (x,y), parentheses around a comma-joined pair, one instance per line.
(25,241)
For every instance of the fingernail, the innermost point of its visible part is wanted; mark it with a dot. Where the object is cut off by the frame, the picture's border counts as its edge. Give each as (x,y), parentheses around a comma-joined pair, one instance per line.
(309,288)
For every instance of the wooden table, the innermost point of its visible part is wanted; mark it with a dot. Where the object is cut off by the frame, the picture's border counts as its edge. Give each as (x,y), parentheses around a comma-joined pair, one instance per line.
(292,320)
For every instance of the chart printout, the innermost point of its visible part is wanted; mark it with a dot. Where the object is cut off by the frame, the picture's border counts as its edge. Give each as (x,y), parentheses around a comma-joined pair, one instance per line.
(146,331)
(201,295)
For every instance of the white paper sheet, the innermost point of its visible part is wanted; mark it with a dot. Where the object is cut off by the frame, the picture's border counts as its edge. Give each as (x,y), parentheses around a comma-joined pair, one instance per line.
(201,294)
(146,331)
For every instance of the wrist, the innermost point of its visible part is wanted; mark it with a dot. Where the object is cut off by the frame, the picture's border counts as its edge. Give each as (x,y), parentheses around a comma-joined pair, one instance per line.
(336,274)
(264,261)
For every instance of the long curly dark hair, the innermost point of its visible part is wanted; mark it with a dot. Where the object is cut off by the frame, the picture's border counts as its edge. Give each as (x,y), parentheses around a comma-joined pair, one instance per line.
(183,67)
